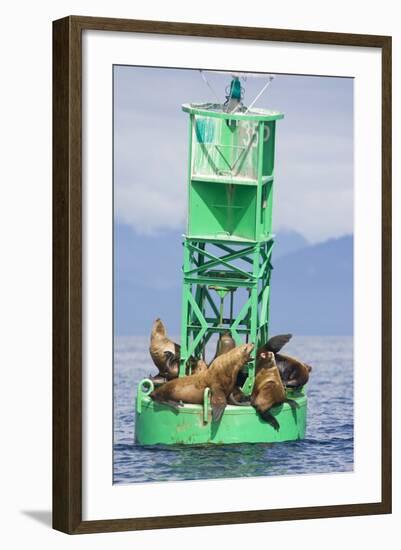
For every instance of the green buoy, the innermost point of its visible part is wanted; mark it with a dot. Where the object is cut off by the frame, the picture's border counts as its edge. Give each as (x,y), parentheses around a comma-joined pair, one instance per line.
(227,252)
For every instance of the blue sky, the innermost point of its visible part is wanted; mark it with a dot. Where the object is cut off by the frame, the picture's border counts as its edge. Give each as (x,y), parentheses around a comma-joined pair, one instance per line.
(313,195)
(314,149)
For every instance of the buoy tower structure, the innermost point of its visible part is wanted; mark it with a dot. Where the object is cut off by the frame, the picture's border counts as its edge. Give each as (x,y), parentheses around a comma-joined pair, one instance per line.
(227,268)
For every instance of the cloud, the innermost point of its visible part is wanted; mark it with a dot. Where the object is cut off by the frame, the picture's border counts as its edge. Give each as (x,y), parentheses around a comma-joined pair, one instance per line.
(315,198)
(150,173)
(314,150)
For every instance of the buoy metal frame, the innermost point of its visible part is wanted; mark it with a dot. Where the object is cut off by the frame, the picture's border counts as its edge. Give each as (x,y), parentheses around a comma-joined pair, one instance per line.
(227,246)
(228,243)
(159,424)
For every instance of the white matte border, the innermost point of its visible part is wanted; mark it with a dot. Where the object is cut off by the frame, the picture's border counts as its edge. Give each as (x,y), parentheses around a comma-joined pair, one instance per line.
(102,499)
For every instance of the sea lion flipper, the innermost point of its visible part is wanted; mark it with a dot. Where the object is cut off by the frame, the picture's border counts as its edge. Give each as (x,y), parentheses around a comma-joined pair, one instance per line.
(169,402)
(218,401)
(157,379)
(238,398)
(276,343)
(293,404)
(269,418)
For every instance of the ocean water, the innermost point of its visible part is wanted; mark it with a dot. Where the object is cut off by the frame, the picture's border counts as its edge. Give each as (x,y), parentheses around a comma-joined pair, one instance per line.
(328,446)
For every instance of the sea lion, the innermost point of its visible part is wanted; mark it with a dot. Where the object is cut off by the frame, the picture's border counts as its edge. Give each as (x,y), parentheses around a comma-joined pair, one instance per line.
(157,380)
(223,374)
(164,351)
(173,365)
(220,377)
(225,343)
(200,366)
(238,397)
(269,389)
(274,344)
(294,373)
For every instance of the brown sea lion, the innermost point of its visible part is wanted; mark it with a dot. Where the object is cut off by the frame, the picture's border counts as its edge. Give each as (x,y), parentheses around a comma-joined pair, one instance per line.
(225,343)
(200,366)
(294,373)
(173,365)
(223,372)
(220,377)
(164,351)
(274,344)
(268,389)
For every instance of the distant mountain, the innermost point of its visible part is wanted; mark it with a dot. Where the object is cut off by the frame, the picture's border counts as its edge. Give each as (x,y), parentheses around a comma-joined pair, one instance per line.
(311,285)
(287,242)
(147,280)
(312,290)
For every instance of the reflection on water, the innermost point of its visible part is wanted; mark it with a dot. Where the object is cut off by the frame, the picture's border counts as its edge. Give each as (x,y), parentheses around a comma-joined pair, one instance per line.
(328,446)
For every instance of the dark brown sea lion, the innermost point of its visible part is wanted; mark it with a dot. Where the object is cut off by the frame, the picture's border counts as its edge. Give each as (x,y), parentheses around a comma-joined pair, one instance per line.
(294,373)
(220,377)
(268,389)
(238,397)
(276,343)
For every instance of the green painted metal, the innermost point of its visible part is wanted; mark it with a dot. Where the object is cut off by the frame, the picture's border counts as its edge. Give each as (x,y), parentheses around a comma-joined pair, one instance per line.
(145,387)
(226,271)
(220,273)
(206,405)
(214,110)
(228,244)
(239,158)
(158,424)
(235,89)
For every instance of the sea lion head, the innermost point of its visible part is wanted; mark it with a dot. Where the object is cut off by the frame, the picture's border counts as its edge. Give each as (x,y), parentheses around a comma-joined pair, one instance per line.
(159,328)
(245,351)
(266,359)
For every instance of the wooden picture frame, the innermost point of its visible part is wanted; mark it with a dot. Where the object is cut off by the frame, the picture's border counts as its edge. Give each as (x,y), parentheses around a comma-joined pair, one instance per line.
(67,273)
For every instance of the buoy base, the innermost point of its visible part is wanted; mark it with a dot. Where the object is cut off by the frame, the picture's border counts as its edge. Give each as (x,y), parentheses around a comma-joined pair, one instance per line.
(159,424)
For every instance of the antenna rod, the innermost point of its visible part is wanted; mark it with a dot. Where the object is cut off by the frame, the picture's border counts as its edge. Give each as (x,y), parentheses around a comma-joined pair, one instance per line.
(271,78)
(209,86)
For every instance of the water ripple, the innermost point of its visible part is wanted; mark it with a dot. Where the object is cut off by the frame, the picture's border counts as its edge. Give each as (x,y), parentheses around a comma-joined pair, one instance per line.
(328,446)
